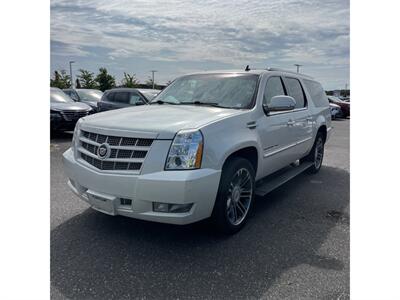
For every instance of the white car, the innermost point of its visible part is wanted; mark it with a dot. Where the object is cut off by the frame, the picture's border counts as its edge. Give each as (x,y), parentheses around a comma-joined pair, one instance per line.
(336,111)
(204,147)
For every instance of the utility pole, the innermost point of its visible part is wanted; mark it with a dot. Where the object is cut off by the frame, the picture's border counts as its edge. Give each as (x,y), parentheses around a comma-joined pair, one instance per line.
(298,67)
(70,73)
(152,76)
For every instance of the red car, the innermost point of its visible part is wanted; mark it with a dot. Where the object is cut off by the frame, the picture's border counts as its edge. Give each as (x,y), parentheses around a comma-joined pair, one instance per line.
(344,106)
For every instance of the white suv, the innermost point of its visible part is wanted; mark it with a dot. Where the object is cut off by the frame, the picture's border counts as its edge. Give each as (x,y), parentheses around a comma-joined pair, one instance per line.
(204,147)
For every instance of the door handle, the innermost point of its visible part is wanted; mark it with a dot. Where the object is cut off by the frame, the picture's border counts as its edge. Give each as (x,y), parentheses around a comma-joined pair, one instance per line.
(290,123)
(309,119)
(251,125)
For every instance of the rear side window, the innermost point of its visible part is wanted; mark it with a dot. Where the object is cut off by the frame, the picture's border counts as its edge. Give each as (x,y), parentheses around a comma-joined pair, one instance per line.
(109,97)
(121,97)
(273,88)
(135,98)
(317,93)
(295,90)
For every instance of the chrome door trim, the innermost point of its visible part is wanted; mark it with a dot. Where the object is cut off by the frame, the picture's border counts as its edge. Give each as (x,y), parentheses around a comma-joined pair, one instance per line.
(286,147)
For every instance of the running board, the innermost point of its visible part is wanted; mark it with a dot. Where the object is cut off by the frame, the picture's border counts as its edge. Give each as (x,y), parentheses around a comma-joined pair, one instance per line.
(271,182)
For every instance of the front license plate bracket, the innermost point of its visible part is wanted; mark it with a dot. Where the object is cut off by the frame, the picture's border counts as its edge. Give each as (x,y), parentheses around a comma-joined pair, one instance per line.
(102,203)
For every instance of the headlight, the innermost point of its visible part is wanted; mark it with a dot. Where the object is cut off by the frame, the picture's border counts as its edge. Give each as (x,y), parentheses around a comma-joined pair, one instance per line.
(186,151)
(75,137)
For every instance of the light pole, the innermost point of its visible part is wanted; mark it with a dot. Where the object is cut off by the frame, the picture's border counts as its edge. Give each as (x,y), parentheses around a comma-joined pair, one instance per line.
(70,73)
(152,76)
(298,67)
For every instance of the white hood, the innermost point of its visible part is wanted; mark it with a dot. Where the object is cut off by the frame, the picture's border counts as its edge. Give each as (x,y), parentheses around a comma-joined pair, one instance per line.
(161,120)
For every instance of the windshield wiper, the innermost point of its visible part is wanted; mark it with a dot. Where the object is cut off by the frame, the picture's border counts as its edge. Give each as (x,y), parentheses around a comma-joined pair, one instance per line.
(162,102)
(214,104)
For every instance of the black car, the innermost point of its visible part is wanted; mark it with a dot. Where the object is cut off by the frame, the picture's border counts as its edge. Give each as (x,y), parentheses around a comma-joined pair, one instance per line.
(87,96)
(125,97)
(65,112)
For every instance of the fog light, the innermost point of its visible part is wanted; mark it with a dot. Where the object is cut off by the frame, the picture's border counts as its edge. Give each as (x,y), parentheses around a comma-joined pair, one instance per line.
(125,201)
(171,208)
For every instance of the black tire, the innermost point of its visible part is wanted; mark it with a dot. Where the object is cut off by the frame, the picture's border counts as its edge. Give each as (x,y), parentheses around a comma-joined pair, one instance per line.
(229,187)
(313,156)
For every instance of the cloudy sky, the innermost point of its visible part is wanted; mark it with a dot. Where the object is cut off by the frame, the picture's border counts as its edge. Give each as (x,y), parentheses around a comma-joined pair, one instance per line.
(177,37)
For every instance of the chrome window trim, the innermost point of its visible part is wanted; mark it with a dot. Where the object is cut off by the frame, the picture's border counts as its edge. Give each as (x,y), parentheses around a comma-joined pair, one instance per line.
(286,112)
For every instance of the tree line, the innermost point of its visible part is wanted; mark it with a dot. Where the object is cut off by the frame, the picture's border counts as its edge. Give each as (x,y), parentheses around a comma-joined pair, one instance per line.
(343,93)
(102,81)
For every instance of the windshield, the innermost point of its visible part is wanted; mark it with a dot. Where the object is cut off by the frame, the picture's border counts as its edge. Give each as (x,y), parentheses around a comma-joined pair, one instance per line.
(149,95)
(57,95)
(222,90)
(89,95)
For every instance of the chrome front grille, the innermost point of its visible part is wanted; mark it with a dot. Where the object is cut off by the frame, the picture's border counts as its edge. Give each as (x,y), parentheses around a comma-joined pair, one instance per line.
(125,153)
(71,115)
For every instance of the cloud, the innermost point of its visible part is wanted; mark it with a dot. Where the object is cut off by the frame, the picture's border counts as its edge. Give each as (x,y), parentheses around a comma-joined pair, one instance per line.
(62,49)
(275,32)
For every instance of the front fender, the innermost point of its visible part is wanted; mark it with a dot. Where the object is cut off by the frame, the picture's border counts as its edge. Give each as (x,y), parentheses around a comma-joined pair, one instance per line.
(221,139)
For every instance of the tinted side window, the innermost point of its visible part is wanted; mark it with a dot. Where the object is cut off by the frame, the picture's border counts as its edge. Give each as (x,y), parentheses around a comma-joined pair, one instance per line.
(295,90)
(273,88)
(317,93)
(121,97)
(109,97)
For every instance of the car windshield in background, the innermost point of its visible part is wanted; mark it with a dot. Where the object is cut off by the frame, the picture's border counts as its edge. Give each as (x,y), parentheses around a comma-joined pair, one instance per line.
(149,95)
(89,95)
(220,90)
(59,96)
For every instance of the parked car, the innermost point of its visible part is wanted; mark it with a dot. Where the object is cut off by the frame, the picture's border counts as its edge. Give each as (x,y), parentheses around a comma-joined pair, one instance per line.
(64,112)
(204,147)
(336,111)
(344,106)
(125,97)
(87,96)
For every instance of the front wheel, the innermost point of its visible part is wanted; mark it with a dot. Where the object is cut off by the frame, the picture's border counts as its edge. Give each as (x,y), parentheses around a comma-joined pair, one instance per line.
(316,154)
(235,195)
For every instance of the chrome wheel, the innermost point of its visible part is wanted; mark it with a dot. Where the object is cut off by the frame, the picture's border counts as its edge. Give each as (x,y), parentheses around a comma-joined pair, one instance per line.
(240,193)
(319,153)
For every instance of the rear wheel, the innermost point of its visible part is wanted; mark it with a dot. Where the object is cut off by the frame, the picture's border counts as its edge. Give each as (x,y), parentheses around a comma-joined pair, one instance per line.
(316,154)
(235,195)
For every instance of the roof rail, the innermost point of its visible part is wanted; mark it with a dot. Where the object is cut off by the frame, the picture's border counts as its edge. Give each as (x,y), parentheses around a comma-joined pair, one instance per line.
(287,71)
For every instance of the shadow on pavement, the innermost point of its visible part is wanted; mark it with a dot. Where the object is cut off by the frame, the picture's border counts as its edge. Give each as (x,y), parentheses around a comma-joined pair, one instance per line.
(98,256)
(62,136)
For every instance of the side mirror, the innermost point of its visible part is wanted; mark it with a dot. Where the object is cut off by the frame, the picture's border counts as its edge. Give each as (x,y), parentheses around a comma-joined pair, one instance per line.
(280,103)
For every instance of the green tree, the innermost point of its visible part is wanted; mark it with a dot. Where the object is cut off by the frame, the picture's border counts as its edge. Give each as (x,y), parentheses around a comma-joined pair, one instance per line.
(104,80)
(60,80)
(129,81)
(87,79)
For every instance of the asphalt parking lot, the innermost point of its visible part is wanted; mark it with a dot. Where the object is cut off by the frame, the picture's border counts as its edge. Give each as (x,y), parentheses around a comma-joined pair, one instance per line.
(295,246)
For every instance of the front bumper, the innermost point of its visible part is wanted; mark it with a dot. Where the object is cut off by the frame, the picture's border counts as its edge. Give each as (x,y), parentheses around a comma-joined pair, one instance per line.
(104,191)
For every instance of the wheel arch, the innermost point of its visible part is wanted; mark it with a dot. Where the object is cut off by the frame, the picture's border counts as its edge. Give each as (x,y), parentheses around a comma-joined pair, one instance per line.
(324,131)
(321,126)
(247,152)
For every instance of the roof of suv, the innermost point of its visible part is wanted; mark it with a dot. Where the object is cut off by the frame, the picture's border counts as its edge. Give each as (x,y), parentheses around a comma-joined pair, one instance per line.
(132,89)
(254,71)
